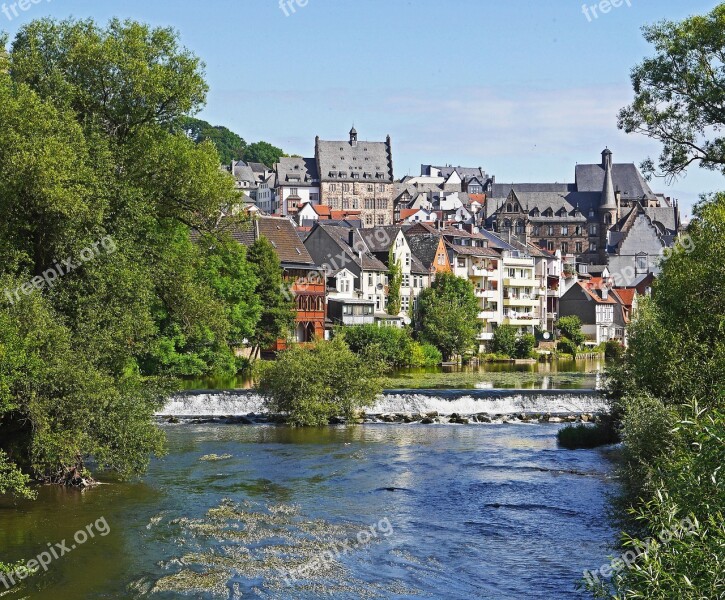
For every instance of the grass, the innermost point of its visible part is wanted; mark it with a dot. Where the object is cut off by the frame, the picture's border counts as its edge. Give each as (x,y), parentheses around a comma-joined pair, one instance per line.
(583,436)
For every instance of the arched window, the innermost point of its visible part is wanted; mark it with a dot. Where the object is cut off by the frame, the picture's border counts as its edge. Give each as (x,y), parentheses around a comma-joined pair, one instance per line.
(520,227)
(608,219)
(507,224)
(509,208)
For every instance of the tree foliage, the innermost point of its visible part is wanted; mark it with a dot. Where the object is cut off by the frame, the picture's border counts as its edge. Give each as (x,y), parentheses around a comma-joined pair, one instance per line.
(276,299)
(263,152)
(393,345)
(448,315)
(680,94)
(504,340)
(312,385)
(89,153)
(571,328)
(229,145)
(395,279)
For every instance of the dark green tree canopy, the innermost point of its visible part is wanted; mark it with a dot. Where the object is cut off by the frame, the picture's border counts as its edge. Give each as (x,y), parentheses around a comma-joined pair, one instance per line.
(680,94)
(263,152)
(229,145)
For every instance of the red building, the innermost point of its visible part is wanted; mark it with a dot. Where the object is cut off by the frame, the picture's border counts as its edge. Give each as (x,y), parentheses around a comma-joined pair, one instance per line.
(300,272)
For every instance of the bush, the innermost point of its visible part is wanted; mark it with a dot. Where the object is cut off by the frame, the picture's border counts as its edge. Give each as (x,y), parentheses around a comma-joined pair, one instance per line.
(566,346)
(613,350)
(425,355)
(571,328)
(394,346)
(574,437)
(524,346)
(504,340)
(312,385)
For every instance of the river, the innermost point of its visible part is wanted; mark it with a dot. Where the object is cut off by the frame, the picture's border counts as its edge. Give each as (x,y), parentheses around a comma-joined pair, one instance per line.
(371,511)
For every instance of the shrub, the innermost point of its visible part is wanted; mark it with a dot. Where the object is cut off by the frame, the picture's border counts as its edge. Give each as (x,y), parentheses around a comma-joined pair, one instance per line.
(613,350)
(394,346)
(524,346)
(573,437)
(504,341)
(571,328)
(566,346)
(312,385)
(425,355)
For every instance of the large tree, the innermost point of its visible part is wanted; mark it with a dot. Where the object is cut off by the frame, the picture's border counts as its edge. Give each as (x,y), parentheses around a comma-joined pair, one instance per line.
(263,152)
(680,94)
(448,315)
(88,153)
(277,301)
(229,145)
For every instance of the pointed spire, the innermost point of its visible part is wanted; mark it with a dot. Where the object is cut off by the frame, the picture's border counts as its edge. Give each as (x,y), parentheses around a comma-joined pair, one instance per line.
(609,200)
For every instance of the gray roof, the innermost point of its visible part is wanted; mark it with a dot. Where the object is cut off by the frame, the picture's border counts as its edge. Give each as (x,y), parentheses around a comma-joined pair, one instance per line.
(243,172)
(555,200)
(501,190)
(303,168)
(341,236)
(626,177)
(424,247)
(360,161)
(665,215)
(258,167)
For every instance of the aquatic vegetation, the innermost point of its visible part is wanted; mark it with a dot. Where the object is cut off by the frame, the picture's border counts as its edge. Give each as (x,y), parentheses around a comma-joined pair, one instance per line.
(215,457)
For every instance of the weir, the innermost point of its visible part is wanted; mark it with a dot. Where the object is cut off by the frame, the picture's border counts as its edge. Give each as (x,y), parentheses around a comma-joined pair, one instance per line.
(445,402)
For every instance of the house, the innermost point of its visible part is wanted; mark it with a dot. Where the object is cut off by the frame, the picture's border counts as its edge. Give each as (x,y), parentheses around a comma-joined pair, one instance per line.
(357,175)
(430,249)
(603,315)
(350,269)
(300,272)
(298,184)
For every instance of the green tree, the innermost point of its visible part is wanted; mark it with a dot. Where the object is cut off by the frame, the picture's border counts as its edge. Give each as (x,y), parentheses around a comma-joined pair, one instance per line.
(229,145)
(312,385)
(277,301)
(680,92)
(448,315)
(525,345)
(395,279)
(88,154)
(392,345)
(571,328)
(263,152)
(504,340)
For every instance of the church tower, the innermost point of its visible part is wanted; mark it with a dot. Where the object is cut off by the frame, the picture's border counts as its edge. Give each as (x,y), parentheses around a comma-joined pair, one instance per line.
(353,137)
(608,206)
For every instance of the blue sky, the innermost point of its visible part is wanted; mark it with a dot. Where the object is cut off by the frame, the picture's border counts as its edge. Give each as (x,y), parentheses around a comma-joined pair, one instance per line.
(524,89)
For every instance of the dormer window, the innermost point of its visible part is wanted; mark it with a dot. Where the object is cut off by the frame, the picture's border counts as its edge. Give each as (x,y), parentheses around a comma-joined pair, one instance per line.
(535,212)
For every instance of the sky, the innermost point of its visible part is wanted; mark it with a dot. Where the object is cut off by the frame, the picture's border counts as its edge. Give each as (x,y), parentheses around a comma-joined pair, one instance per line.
(524,89)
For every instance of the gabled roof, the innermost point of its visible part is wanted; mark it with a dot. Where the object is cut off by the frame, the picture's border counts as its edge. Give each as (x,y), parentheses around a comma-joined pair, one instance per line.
(424,247)
(341,237)
(282,235)
(304,169)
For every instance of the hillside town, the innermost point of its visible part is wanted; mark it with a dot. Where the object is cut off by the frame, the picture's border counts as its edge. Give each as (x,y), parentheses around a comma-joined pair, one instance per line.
(534,252)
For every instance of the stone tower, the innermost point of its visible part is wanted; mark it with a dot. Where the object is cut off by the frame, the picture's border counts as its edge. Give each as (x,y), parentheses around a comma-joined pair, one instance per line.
(608,206)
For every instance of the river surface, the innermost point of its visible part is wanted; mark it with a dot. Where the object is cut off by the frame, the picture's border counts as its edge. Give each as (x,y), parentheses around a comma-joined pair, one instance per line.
(373,511)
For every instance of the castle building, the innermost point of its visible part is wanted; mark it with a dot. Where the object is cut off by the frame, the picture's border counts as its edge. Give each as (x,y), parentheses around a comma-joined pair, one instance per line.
(357,175)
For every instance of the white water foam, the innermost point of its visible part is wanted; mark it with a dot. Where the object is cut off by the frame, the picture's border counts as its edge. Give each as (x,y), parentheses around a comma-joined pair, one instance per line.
(498,402)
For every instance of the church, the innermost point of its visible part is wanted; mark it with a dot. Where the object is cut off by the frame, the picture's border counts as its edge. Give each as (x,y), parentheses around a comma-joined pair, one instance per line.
(609,216)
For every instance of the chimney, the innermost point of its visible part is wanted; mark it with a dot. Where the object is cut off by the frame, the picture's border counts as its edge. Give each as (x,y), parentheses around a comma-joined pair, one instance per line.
(351,237)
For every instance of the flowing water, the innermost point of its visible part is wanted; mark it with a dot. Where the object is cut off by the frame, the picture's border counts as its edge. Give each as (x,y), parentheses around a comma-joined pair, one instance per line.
(373,511)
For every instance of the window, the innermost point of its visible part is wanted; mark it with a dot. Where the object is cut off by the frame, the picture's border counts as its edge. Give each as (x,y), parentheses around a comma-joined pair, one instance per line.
(371,188)
(368,220)
(564,248)
(593,229)
(345,187)
(407,260)
(537,230)
(579,248)
(441,259)
(642,263)
(578,230)
(564,230)
(369,203)
(550,246)
(381,219)
(370,280)
(314,197)
(509,208)
(592,246)
(346,204)
(333,187)
(512,273)
(293,191)
(550,230)
(406,281)
(404,303)
(520,227)
(381,187)
(415,282)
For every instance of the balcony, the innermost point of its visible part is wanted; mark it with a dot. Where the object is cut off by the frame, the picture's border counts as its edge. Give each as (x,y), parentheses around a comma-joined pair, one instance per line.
(484,337)
(488,294)
(482,272)
(514,282)
(518,261)
(521,320)
(487,315)
(532,302)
